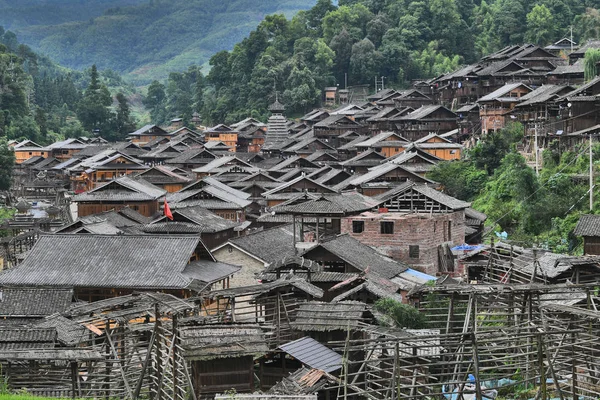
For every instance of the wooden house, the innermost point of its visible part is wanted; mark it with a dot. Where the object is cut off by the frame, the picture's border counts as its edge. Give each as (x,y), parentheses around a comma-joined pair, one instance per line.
(293,188)
(387,143)
(212,229)
(425,120)
(149,133)
(224,134)
(65,149)
(382,178)
(105,266)
(103,167)
(215,196)
(165,178)
(222,356)
(439,147)
(136,194)
(588,228)
(222,164)
(578,109)
(28,149)
(191,159)
(496,107)
(331,127)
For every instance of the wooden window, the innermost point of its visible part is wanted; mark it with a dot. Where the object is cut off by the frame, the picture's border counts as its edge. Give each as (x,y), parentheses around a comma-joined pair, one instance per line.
(387,227)
(358,226)
(413,251)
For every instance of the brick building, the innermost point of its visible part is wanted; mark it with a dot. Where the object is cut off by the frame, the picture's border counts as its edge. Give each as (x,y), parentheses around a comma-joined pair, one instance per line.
(411,225)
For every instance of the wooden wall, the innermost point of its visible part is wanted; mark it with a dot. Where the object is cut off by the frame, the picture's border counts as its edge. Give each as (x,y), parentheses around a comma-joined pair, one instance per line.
(147,209)
(221,374)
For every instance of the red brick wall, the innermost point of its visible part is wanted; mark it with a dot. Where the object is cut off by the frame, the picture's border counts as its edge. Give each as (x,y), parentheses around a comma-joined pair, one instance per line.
(424,230)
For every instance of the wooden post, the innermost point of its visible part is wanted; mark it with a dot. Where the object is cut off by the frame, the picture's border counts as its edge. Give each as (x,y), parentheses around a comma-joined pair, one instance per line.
(540,355)
(175,339)
(74,378)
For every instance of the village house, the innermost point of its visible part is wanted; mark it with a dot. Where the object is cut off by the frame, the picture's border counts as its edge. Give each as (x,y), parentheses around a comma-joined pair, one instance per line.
(149,133)
(222,133)
(136,194)
(495,108)
(411,224)
(425,120)
(105,266)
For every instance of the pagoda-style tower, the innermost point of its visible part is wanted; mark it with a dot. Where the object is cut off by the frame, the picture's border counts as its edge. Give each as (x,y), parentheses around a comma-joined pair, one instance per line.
(277,130)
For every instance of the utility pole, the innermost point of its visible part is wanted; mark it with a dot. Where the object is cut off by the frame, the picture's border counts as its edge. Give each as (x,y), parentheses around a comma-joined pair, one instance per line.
(345,80)
(591,176)
(537,168)
(571,38)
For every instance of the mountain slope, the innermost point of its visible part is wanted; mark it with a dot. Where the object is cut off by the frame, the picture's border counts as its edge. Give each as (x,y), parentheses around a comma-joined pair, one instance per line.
(148,40)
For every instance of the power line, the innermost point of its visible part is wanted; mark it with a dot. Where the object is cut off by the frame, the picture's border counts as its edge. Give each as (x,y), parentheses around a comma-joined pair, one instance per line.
(540,188)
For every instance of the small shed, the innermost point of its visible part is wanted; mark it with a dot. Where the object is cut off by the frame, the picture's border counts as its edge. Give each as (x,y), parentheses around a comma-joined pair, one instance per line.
(589,228)
(222,356)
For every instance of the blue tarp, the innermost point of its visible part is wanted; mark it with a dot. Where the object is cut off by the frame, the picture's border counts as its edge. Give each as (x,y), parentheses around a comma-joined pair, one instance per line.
(465,247)
(419,274)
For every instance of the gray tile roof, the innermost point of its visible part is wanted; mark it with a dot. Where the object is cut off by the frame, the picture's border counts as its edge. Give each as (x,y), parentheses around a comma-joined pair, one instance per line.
(201,219)
(318,316)
(360,256)
(144,262)
(269,245)
(122,189)
(588,225)
(207,342)
(313,354)
(69,332)
(327,204)
(33,302)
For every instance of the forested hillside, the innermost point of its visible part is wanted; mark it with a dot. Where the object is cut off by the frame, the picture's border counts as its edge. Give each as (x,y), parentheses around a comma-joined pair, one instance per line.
(399,39)
(23,13)
(146,40)
(44,102)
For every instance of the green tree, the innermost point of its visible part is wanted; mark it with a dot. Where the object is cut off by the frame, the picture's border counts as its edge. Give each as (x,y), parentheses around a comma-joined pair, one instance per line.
(541,25)
(400,315)
(493,147)
(460,179)
(590,64)
(365,61)
(155,101)
(7,162)
(93,110)
(124,123)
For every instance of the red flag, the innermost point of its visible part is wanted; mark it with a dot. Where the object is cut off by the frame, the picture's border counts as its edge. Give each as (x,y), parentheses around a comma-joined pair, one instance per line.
(167,211)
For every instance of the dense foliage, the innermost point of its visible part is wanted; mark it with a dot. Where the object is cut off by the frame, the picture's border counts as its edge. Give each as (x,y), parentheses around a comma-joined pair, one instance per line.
(43,102)
(541,210)
(358,40)
(146,39)
(7,162)
(400,315)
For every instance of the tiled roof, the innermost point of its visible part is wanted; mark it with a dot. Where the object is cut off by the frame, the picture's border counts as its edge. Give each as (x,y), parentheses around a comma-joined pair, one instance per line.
(588,225)
(360,256)
(149,262)
(33,302)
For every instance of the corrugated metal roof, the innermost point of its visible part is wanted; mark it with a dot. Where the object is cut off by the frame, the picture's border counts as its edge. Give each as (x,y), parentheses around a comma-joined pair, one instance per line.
(313,354)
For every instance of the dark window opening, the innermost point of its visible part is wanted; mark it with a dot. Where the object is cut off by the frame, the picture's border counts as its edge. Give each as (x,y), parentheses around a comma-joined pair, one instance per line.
(387,227)
(413,251)
(358,226)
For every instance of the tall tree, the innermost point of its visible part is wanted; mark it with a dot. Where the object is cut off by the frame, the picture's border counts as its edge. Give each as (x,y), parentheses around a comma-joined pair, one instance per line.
(124,123)
(7,162)
(541,25)
(155,101)
(93,110)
